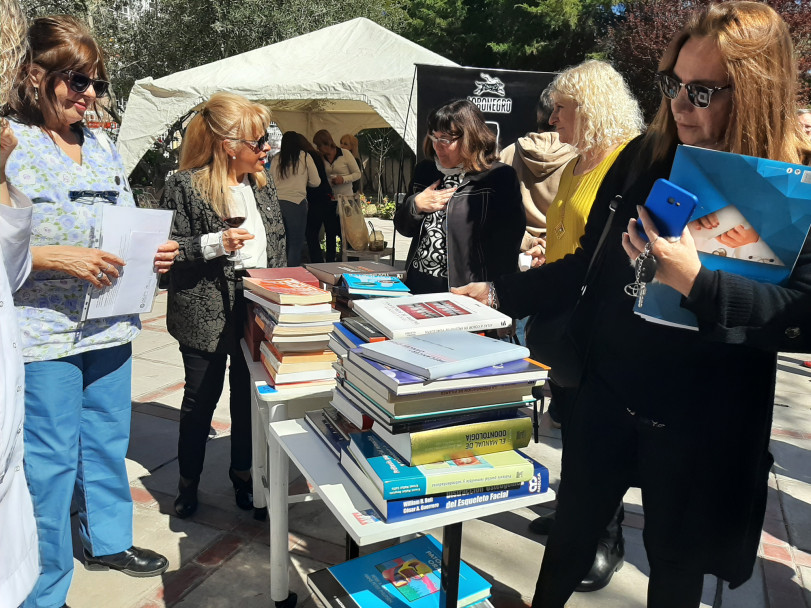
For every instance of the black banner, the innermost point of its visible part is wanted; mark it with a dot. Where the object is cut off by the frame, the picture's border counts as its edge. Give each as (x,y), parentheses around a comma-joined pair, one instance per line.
(508,98)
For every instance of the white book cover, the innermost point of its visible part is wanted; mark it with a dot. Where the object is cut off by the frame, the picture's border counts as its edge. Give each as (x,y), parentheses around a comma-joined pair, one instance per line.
(429,313)
(434,356)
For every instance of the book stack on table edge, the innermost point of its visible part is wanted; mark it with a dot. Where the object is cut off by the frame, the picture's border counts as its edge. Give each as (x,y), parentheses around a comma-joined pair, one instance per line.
(408,574)
(296,320)
(330,275)
(431,423)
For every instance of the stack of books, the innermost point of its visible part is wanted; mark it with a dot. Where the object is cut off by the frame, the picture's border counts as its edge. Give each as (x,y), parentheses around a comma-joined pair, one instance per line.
(330,275)
(407,574)
(432,423)
(296,319)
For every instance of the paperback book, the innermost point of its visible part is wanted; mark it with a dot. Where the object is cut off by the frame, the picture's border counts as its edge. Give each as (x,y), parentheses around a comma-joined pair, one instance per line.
(377,285)
(362,329)
(435,356)
(407,574)
(429,313)
(287,291)
(290,272)
(394,479)
(273,367)
(273,327)
(296,313)
(400,382)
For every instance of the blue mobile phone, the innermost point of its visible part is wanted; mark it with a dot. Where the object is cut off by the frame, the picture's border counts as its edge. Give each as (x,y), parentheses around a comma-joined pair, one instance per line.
(670,206)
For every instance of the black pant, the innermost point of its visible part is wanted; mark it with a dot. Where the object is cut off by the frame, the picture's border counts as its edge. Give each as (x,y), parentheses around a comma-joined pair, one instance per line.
(205,374)
(606,450)
(322,213)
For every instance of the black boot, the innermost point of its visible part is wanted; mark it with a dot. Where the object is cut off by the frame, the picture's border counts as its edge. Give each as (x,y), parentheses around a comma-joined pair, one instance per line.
(243,490)
(186,501)
(609,556)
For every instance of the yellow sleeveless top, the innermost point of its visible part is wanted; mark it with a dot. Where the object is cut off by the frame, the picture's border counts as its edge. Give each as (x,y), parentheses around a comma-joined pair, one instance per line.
(567,215)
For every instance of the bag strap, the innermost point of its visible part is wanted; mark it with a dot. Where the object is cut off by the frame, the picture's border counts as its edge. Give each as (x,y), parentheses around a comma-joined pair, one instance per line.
(612,208)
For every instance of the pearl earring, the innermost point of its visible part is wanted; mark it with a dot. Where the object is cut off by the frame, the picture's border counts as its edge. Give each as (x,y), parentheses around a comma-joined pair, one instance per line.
(233,157)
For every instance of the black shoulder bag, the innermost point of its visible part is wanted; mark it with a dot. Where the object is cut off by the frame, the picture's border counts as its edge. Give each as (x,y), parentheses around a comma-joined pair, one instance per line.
(550,339)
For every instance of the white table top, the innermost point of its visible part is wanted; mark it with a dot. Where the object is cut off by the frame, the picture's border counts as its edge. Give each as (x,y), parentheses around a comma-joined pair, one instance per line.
(347,502)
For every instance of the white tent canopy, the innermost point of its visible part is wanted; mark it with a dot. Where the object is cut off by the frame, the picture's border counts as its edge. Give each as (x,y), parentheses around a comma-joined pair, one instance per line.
(344,78)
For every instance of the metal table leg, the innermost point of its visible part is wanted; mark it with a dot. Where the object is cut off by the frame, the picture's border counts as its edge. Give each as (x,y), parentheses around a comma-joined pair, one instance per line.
(451,557)
(278,467)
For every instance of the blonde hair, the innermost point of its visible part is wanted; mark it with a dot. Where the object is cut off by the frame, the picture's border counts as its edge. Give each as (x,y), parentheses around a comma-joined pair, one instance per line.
(13,44)
(353,144)
(757,52)
(223,117)
(607,113)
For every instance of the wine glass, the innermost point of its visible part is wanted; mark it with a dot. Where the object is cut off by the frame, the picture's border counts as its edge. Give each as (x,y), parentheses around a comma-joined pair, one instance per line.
(235,216)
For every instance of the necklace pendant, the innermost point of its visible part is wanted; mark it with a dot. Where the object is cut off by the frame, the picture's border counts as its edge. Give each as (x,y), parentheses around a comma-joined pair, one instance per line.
(560,229)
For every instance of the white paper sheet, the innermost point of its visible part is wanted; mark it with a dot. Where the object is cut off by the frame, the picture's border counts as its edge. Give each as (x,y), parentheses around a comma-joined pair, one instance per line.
(133,235)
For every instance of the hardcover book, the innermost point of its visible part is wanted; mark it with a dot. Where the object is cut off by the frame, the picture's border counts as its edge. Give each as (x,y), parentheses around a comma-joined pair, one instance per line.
(374,285)
(296,313)
(403,509)
(331,272)
(765,202)
(404,575)
(364,330)
(287,291)
(429,313)
(458,441)
(394,479)
(435,404)
(435,356)
(290,272)
(399,382)
(367,416)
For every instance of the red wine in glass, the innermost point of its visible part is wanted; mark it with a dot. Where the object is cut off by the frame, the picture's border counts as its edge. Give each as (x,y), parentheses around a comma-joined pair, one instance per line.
(237,212)
(234,222)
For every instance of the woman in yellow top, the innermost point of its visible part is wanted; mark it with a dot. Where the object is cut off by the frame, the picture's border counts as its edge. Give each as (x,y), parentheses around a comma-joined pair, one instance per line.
(595,112)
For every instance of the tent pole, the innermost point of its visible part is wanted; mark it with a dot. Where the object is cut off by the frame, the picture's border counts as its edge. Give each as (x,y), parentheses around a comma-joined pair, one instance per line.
(402,160)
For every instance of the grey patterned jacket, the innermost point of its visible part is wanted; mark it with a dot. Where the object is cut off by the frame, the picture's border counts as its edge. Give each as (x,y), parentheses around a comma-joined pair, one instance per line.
(202,292)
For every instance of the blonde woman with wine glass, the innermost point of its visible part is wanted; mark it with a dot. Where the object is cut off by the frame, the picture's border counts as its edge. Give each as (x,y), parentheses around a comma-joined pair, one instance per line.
(224,201)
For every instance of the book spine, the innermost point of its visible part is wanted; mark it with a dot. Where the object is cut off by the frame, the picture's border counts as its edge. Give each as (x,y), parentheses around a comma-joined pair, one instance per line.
(452,442)
(473,326)
(412,508)
(455,481)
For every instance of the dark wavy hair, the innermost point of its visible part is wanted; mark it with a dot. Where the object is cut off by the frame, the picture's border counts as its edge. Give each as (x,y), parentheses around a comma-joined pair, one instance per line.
(461,118)
(56,44)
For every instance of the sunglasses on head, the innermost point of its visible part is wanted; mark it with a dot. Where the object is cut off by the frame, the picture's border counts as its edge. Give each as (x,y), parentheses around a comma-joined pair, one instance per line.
(257,145)
(79,83)
(698,94)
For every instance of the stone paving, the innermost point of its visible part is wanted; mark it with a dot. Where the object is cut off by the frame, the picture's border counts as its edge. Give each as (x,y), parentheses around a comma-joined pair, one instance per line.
(219,557)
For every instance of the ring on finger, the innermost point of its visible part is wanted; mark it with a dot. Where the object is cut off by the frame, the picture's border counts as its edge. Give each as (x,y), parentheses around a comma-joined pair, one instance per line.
(100,275)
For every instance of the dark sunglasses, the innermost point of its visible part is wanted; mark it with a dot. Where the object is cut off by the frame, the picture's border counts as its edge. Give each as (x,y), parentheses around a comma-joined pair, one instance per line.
(698,94)
(80,82)
(257,145)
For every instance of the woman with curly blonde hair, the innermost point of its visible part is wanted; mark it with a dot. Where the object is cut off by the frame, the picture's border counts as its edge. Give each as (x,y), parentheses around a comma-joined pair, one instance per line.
(598,131)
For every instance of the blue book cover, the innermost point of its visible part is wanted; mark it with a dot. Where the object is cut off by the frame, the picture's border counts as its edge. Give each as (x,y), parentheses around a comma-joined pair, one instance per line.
(395,479)
(403,509)
(401,382)
(752,218)
(407,575)
(435,356)
(374,284)
(346,336)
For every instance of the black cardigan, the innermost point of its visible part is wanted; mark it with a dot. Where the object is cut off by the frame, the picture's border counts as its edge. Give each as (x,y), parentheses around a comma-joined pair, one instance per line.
(202,292)
(715,385)
(484,226)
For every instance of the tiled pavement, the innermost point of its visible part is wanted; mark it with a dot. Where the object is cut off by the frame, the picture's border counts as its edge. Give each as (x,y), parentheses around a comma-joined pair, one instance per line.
(219,558)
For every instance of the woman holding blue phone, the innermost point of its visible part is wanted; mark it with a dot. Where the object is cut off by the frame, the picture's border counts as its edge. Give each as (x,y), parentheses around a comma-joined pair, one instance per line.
(78,374)
(686,415)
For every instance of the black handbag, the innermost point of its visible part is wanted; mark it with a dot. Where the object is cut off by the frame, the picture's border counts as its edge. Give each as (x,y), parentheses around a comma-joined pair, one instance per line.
(550,339)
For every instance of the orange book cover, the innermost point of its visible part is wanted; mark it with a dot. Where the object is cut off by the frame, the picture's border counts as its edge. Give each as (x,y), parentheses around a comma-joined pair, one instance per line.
(322,356)
(287,291)
(290,272)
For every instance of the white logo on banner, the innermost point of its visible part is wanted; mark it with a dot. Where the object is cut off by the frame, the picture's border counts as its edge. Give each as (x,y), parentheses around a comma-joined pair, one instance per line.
(491,85)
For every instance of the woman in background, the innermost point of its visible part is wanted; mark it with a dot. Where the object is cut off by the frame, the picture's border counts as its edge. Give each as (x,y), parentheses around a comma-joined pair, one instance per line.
(465,215)
(76,437)
(341,170)
(350,142)
(221,162)
(293,172)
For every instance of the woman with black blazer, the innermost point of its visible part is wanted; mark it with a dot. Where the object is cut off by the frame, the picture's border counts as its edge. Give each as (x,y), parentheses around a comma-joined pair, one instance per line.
(222,160)
(465,215)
